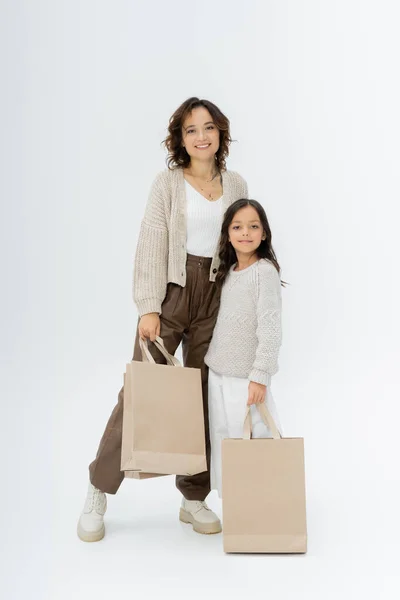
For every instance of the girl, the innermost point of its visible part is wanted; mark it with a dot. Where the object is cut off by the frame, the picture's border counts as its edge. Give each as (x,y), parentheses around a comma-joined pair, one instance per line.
(243,352)
(174,288)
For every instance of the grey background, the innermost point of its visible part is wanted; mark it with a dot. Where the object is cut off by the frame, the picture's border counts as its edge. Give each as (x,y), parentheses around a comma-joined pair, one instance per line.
(312,92)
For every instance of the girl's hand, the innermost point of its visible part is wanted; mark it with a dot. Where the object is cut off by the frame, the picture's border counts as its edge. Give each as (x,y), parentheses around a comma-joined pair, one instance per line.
(149,326)
(257,393)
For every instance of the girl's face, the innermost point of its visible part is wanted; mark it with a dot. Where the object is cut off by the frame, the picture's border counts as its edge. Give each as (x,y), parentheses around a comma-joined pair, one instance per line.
(200,135)
(246,231)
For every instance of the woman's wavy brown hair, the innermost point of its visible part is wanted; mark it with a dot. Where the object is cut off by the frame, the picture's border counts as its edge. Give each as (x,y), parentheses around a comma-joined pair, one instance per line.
(227,254)
(177,154)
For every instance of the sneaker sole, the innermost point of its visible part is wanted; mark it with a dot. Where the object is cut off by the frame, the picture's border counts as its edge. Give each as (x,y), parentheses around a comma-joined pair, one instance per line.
(91,536)
(205,528)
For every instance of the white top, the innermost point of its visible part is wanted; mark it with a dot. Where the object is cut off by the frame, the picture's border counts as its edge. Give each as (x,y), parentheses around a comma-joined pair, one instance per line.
(204,220)
(160,256)
(247,335)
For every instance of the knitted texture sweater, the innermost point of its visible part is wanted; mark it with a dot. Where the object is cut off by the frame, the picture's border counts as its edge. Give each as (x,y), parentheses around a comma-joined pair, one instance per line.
(247,335)
(161,249)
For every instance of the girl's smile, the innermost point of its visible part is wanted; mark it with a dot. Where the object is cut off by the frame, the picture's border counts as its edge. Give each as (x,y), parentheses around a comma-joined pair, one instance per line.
(246,223)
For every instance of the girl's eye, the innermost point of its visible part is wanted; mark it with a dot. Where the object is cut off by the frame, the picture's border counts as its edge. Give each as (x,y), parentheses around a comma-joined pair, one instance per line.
(190,131)
(255,226)
(211,127)
(235,227)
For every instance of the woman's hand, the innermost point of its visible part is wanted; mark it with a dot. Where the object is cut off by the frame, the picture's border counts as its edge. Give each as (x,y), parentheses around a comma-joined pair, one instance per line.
(149,326)
(257,393)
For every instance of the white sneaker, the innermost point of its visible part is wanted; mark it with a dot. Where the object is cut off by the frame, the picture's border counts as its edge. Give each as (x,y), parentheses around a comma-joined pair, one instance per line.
(91,523)
(202,518)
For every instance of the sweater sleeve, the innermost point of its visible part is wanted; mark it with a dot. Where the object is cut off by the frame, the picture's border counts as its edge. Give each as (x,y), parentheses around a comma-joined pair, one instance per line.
(151,258)
(269,331)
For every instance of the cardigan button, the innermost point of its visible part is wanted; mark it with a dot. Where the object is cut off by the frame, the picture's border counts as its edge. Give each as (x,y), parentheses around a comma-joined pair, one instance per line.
(215,270)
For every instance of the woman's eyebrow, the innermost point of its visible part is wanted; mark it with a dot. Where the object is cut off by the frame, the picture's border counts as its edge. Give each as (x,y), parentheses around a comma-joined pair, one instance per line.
(208,123)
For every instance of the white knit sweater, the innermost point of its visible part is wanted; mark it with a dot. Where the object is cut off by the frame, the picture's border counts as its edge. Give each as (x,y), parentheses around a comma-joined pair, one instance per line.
(247,335)
(161,250)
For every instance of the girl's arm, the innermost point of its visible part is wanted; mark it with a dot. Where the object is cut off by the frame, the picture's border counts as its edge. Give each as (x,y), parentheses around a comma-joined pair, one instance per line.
(269,332)
(151,258)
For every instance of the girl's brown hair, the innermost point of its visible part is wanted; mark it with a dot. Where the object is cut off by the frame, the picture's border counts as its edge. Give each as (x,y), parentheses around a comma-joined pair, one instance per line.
(177,154)
(227,254)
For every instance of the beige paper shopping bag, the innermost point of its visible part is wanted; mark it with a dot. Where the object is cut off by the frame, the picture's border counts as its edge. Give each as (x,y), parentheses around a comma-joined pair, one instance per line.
(128,433)
(263,492)
(163,421)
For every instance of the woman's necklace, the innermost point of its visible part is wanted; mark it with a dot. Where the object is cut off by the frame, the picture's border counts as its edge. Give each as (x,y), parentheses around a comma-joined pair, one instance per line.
(205,192)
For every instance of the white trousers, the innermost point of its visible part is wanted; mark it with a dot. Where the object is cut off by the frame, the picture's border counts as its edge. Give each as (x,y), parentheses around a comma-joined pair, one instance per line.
(227,404)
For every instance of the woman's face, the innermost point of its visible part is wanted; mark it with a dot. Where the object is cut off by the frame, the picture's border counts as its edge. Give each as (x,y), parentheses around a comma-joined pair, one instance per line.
(200,135)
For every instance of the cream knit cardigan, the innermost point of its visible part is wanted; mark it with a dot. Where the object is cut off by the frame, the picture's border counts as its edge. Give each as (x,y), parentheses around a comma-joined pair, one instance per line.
(161,249)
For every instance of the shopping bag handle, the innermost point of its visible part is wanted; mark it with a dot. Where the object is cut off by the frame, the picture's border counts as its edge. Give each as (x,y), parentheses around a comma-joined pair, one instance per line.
(158,342)
(266,417)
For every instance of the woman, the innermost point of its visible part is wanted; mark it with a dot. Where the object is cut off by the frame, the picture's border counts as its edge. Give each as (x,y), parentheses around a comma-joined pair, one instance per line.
(176,264)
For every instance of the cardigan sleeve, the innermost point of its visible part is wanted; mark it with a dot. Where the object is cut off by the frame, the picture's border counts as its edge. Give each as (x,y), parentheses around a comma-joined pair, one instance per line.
(239,186)
(269,331)
(151,258)
(245,189)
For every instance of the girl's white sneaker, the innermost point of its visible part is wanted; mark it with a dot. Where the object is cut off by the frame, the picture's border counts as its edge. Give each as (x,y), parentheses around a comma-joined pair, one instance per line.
(202,518)
(91,522)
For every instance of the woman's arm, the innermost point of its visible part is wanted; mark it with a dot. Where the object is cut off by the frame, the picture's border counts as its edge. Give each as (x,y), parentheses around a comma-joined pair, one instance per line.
(239,189)
(151,258)
(245,189)
(269,331)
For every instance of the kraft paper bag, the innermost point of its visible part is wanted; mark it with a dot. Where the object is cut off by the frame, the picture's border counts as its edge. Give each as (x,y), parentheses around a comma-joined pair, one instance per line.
(163,420)
(134,474)
(263,492)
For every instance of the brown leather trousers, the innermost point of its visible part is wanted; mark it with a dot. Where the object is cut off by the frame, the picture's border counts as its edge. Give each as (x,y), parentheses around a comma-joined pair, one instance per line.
(188,315)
